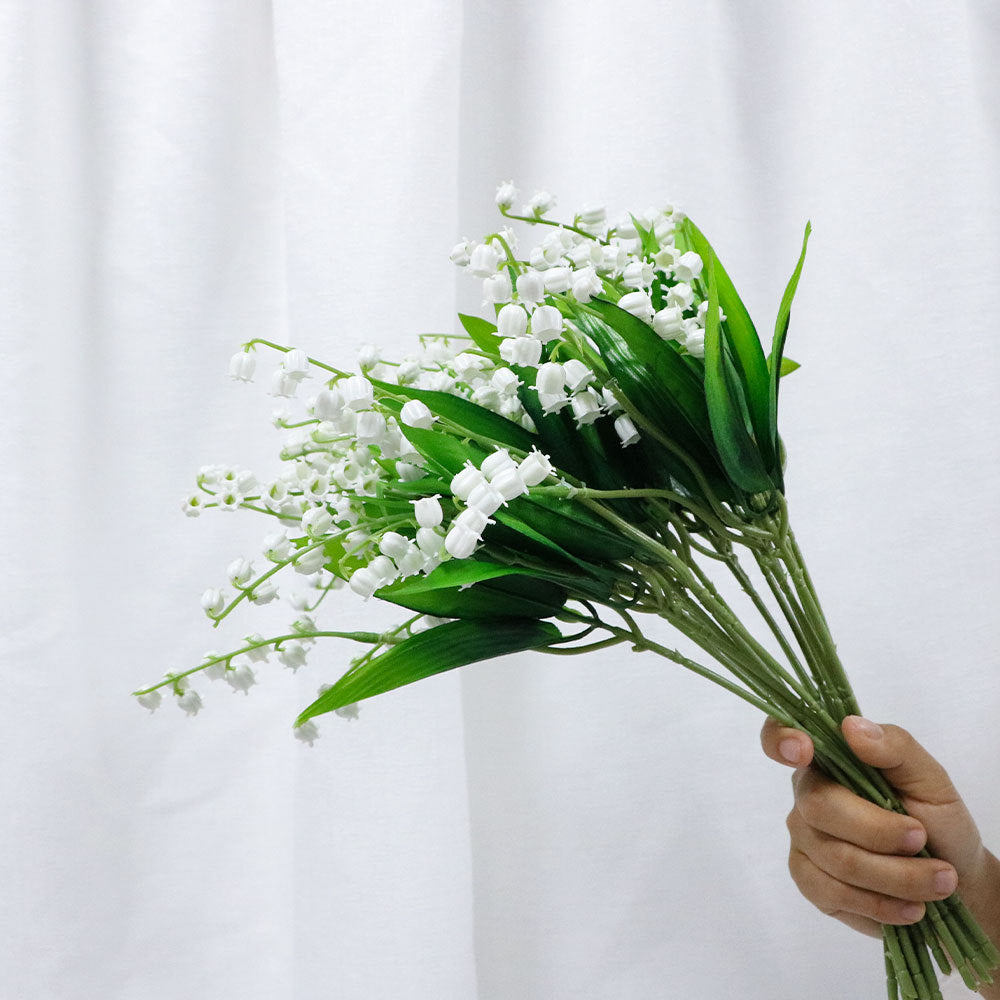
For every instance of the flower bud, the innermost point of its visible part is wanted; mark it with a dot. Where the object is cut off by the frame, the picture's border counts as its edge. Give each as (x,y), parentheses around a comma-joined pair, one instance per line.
(541,202)
(593,215)
(240,572)
(512,321)
(531,286)
(534,468)
(151,700)
(461,542)
(625,430)
(242,365)
(459,255)
(277,547)
(506,193)
(505,381)
(264,592)
(416,413)
(546,324)
(428,512)
(311,561)
(212,602)
(368,356)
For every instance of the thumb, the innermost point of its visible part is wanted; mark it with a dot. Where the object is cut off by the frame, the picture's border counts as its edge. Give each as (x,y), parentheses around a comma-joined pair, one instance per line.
(905,763)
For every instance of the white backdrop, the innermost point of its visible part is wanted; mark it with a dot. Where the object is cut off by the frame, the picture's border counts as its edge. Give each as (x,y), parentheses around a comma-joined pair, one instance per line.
(176,177)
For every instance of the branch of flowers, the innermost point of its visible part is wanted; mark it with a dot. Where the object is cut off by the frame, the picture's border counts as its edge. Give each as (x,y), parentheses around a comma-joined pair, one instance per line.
(284,350)
(274,640)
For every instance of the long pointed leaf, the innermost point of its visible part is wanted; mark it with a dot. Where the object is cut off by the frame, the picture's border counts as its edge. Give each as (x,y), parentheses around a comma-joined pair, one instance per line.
(495,599)
(776,362)
(432,652)
(742,337)
(737,448)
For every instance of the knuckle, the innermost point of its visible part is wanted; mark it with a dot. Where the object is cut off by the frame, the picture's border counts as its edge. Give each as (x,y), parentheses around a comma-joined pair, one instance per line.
(842,860)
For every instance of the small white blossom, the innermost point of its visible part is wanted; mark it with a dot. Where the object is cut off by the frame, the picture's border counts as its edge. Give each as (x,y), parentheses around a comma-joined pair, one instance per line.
(497,288)
(277,547)
(292,654)
(669,323)
(461,542)
(578,376)
(429,541)
(240,572)
(586,284)
(551,378)
(295,364)
(307,732)
(558,279)
(283,384)
(368,356)
(484,260)
(371,427)
(358,392)
(509,484)
(512,321)
(486,498)
(212,602)
(312,561)
(586,407)
(459,255)
(259,653)
(241,678)
(192,506)
(416,413)
(531,286)
(546,324)
(264,592)
(637,274)
(681,295)
(524,351)
(506,194)
(541,203)
(688,266)
(695,344)
(626,430)
(505,381)
(552,402)
(638,304)
(464,482)
(364,582)
(496,463)
(190,702)
(394,545)
(150,700)
(534,468)
(242,366)
(348,711)
(428,512)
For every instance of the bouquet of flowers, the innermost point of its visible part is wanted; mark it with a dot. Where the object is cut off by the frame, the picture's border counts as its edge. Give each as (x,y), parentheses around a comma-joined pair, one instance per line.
(602,449)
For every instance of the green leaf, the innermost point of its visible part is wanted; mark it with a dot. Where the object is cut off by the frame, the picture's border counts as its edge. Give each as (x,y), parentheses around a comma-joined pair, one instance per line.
(777,362)
(454,573)
(483,333)
(748,355)
(787,367)
(726,407)
(503,597)
(650,244)
(482,424)
(446,454)
(432,652)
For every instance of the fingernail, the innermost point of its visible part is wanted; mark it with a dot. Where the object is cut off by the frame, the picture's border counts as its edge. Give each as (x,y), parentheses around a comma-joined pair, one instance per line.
(945,881)
(791,750)
(913,911)
(870,729)
(913,840)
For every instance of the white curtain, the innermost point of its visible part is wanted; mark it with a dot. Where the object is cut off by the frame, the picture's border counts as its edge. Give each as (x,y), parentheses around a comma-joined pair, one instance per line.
(178,177)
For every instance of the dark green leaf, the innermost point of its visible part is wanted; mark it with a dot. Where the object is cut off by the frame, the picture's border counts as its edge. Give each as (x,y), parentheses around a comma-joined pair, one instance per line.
(511,596)
(748,355)
(726,407)
(432,652)
(446,454)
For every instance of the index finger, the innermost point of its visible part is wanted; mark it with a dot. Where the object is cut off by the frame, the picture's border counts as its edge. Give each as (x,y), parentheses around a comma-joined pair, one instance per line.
(787,746)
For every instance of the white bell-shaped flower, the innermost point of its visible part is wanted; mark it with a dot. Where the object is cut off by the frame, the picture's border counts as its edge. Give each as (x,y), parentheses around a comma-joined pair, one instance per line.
(459,255)
(292,654)
(688,266)
(371,427)
(534,468)
(296,364)
(586,407)
(486,498)
(430,541)
(530,286)
(358,392)
(524,351)
(626,430)
(593,215)
(609,401)
(551,378)
(242,366)
(496,462)
(552,402)
(277,547)
(669,323)
(695,343)
(428,512)
(468,366)
(241,678)
(486,395)
(150,700)
(558,279)
(509,484)
(497,288)
(190,702)
(614,259)
(578,376)
(306,732)
(505,381)
(546,324)
(412,562)
(541,203)
(385,568)
(484,260)
(638,304)
(394,545)
(368,356)
(512,321)
(406,472)
(316,521)
(311,561)
(464,482)
(586,284)
(364,582)
(472,520)
(283,384)
(681,295)
(460,543)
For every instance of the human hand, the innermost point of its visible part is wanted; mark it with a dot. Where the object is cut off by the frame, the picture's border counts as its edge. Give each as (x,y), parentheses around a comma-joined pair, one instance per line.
(854,860)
